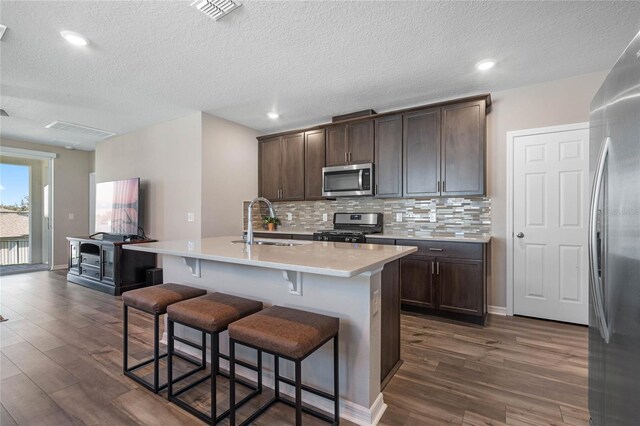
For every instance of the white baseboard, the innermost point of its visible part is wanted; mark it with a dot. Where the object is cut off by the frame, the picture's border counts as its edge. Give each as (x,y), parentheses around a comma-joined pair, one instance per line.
(59,267)
(497,310)
(355,413)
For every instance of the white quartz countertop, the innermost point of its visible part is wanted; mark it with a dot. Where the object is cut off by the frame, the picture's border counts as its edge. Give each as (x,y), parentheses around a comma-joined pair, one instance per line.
(315,257)
(395,235)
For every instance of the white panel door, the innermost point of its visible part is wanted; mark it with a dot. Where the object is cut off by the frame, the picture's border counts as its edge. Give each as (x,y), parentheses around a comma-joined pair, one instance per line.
(550,202)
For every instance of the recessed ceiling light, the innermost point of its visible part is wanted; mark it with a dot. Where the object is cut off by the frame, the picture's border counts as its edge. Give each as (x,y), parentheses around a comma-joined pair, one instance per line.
(273,115)
(485,65)
(74,38)
(68,147)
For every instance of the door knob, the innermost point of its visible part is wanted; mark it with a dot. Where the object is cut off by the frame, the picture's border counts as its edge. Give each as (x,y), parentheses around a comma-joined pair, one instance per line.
(520,235)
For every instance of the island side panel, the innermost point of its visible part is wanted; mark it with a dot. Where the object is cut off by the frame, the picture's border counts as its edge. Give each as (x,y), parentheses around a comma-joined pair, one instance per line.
(350,299)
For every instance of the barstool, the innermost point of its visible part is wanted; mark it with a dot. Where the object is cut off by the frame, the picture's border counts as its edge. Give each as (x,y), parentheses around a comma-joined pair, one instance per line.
(290,334)
(154,300)
(210,314)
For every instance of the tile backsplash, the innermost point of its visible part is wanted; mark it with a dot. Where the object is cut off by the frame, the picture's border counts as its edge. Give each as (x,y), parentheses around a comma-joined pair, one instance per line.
(470,216)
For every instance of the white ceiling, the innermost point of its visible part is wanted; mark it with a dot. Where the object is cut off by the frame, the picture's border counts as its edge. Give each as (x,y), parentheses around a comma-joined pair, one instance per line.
(149,62)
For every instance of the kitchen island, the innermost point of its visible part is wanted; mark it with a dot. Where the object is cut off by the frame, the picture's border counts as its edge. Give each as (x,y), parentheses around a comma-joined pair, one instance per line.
(338,279)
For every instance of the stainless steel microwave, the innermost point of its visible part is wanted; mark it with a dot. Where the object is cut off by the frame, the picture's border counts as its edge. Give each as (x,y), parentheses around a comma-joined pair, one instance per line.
(347,181)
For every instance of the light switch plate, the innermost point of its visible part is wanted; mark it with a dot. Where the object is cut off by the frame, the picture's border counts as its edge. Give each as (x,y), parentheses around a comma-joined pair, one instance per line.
(432,217)
(325,217)
(289,216)
(398,217)
(190,217)
(72,216)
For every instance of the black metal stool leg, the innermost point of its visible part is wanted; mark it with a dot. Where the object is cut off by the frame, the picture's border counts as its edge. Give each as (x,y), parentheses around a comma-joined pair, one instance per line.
(232,382)
(169,359)
(214,374)
(276,375)
(204,350)
(156,352)
(125,338)
(259,371)
(298,393)
(336,379)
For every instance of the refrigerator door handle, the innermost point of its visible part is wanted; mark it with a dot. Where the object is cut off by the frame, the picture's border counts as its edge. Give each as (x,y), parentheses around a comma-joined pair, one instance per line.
(595,282)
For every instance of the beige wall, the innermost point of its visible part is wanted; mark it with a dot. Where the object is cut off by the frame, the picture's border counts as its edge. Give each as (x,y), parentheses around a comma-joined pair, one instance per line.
(70,194)
(541,105)
(167,159)
(229,174)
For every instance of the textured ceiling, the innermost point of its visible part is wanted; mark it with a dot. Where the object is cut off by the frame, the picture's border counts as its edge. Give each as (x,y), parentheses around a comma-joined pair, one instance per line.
(149,62)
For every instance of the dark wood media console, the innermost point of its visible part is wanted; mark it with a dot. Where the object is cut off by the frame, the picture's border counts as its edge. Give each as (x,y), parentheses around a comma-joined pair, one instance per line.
(105,266)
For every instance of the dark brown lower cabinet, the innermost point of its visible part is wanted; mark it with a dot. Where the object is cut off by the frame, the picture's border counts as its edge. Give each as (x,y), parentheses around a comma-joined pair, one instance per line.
(447,279)
(417,282)
(460,285)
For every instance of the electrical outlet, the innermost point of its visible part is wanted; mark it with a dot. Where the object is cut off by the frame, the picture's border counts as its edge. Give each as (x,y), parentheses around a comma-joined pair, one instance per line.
(289,216)
(398,217)
(432,217)
(375,303)
(72,216)
(325,217)
(190,217)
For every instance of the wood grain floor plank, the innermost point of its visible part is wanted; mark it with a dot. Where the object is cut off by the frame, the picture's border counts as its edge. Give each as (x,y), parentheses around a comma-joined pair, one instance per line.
(86,406)
(29,405)
(5,417)
(48,375)
(34,334)
(7,368)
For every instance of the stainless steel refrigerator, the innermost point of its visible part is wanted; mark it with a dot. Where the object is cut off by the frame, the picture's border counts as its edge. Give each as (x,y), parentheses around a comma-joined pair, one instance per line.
(614,245)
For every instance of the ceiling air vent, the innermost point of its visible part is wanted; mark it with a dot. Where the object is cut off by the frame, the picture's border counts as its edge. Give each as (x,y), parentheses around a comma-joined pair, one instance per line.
(80,130)
(216,9)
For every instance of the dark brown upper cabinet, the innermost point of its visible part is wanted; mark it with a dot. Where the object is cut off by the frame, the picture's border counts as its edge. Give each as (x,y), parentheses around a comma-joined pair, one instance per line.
(422,153)
(430,151)
(292,172)
(388,157)
(463,149)
(270,159)
(350,143)
(281,163)
(444,151)
(314,145)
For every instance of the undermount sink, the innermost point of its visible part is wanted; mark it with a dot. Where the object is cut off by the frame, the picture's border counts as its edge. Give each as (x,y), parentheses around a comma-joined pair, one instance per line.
(267,243)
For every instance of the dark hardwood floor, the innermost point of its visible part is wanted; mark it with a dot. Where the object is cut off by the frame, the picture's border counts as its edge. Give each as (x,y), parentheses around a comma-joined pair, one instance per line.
(61,364)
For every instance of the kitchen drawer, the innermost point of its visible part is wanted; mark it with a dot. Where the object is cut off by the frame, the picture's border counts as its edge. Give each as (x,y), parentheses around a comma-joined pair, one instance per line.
(383,241)
(302,237)
(445,249)
(90,259)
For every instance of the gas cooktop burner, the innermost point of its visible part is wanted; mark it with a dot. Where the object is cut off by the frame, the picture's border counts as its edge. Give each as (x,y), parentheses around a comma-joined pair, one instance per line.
(351,227)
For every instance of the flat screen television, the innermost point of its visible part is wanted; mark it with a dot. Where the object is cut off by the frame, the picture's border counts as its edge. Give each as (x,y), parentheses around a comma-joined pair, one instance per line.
(117,206)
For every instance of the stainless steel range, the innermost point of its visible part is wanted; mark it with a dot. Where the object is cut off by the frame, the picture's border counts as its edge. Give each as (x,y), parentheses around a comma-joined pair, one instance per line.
(351,227)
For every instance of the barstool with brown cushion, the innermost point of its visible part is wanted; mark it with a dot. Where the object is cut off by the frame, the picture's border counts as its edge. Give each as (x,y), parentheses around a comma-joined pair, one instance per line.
(210,314)
(155,300)
(294,335)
